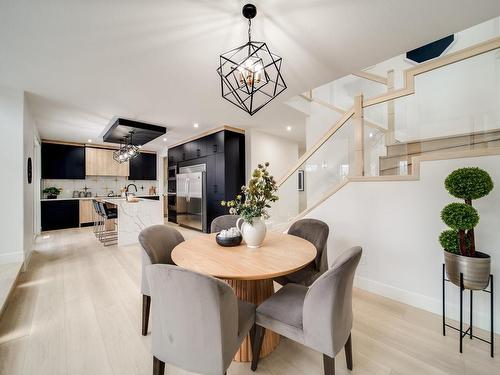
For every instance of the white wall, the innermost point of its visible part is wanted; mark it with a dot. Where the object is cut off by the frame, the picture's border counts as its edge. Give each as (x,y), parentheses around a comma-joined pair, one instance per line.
(11,188)
(281,154)
(398,224)
(19,133)
(30,134)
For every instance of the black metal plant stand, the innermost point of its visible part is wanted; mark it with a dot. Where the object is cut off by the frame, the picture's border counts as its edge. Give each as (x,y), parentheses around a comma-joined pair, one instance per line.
(468,332)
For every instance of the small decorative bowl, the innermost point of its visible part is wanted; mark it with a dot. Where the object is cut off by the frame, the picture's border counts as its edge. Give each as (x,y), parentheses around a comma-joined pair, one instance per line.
(228,241)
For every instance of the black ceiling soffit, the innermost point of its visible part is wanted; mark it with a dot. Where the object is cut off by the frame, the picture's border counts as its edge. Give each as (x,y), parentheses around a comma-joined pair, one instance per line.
(142,132)
(431,50)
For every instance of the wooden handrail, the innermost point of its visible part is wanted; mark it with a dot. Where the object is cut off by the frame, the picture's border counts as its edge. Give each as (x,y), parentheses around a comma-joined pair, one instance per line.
(371,77)
(341,111)
(340,122)
(323,103)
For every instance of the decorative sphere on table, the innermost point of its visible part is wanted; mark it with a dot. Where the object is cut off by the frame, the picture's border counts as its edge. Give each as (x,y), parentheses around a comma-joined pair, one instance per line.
(229,238)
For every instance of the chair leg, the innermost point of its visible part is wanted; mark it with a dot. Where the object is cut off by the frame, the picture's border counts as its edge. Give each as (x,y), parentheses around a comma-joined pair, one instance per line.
(146,305)
(158,367)
(257,345)
(348,352)
(252,335)
(328,365)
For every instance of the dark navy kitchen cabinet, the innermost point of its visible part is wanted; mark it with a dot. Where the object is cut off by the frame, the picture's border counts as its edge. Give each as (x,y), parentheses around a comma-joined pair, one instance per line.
(215,142)
(143,167)
(61,161)
(223,154)
(60,214)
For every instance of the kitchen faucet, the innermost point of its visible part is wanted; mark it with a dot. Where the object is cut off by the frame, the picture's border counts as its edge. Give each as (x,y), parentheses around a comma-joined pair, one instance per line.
(134,185)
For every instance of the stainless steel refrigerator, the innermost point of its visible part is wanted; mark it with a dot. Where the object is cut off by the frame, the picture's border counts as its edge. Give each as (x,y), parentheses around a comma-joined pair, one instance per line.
(191,197)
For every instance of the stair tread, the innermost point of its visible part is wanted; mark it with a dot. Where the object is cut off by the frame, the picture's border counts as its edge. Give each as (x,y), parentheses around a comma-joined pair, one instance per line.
(485,132)
(438,149)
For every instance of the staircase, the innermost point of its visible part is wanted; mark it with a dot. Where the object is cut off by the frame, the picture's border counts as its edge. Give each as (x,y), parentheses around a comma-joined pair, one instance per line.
(399,159)
(362,136)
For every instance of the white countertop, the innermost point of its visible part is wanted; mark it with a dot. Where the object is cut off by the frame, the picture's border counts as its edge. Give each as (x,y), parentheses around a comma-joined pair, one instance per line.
(134,217)
(116,200)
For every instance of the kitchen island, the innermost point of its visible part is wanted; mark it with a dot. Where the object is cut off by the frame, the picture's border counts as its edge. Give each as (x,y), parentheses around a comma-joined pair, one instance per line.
(135,216)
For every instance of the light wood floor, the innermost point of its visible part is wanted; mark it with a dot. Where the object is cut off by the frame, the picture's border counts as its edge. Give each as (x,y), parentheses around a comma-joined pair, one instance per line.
(77,310)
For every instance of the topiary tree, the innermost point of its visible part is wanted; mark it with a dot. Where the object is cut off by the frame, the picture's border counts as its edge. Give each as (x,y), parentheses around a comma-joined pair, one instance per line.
(467,184)
(460,217)
(449,241)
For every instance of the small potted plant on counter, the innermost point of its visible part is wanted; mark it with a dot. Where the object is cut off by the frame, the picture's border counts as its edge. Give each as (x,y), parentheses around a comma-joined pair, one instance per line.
(459,245)
(252,205)
(52,192)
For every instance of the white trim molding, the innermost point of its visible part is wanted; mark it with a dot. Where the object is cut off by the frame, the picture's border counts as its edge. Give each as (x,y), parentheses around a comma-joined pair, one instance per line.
(11,257)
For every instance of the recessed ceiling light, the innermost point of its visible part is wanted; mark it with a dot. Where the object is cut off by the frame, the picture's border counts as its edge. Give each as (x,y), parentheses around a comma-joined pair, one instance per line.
(90,140)
(370,135)
(289,128)
(196,125)
(164,139)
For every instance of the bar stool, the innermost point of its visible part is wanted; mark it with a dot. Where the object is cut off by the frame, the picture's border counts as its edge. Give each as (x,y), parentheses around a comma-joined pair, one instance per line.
(96,217)
(104,213)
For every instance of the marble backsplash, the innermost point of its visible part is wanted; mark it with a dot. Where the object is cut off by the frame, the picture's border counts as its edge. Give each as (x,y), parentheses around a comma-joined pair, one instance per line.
(100,186)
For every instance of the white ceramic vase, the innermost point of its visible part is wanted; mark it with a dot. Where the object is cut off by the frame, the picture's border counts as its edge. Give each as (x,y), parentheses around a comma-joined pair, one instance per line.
(253,234)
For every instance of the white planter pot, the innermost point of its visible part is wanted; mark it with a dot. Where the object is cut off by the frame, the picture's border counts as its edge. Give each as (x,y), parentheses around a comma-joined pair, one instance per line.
(253,234)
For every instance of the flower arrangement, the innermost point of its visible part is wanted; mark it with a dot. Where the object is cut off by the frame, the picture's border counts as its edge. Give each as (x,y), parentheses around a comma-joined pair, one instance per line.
(256,197)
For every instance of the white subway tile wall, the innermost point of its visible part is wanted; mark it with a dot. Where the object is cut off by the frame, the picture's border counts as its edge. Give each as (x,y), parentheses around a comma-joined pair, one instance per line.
(100,186)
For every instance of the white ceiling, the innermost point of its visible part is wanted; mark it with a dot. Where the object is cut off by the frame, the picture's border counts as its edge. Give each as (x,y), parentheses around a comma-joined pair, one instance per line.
(84,62)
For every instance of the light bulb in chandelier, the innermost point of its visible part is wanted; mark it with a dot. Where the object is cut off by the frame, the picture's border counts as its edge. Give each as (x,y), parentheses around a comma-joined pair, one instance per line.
(127,151)
(251,71)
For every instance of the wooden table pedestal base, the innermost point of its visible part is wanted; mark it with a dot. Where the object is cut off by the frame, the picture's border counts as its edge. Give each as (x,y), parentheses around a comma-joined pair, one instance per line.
(256,292)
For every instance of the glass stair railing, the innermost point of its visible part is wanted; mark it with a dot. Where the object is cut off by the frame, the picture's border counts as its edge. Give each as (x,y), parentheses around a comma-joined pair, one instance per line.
(357,127)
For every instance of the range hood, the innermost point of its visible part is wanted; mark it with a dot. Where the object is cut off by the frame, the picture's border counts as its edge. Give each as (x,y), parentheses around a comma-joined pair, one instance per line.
(143,132)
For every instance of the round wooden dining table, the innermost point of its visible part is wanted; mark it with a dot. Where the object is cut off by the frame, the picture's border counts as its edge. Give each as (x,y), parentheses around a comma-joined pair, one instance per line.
(250,272)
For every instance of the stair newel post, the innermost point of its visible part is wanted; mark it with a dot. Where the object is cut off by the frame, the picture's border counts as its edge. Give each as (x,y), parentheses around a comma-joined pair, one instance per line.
(390,135)
(359,137)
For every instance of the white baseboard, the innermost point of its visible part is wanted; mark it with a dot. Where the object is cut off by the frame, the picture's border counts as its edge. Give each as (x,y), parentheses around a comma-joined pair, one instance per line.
(11,257)
(481,319)
(27,261)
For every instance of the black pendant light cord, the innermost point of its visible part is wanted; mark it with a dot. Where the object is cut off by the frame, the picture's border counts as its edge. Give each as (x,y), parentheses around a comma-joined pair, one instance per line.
(249,36)
(249,31)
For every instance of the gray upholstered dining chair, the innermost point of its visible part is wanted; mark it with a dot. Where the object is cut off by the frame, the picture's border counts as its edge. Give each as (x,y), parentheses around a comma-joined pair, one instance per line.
(199,323)
(223,222)
(316,232)
(319,317)
(157,242)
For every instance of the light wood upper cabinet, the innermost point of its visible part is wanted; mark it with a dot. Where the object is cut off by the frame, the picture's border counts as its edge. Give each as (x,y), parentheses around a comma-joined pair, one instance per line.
(100,162)
(123,168)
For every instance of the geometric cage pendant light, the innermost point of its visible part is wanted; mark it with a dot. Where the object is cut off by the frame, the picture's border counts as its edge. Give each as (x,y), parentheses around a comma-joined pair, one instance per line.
(250,74)
(128,150)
